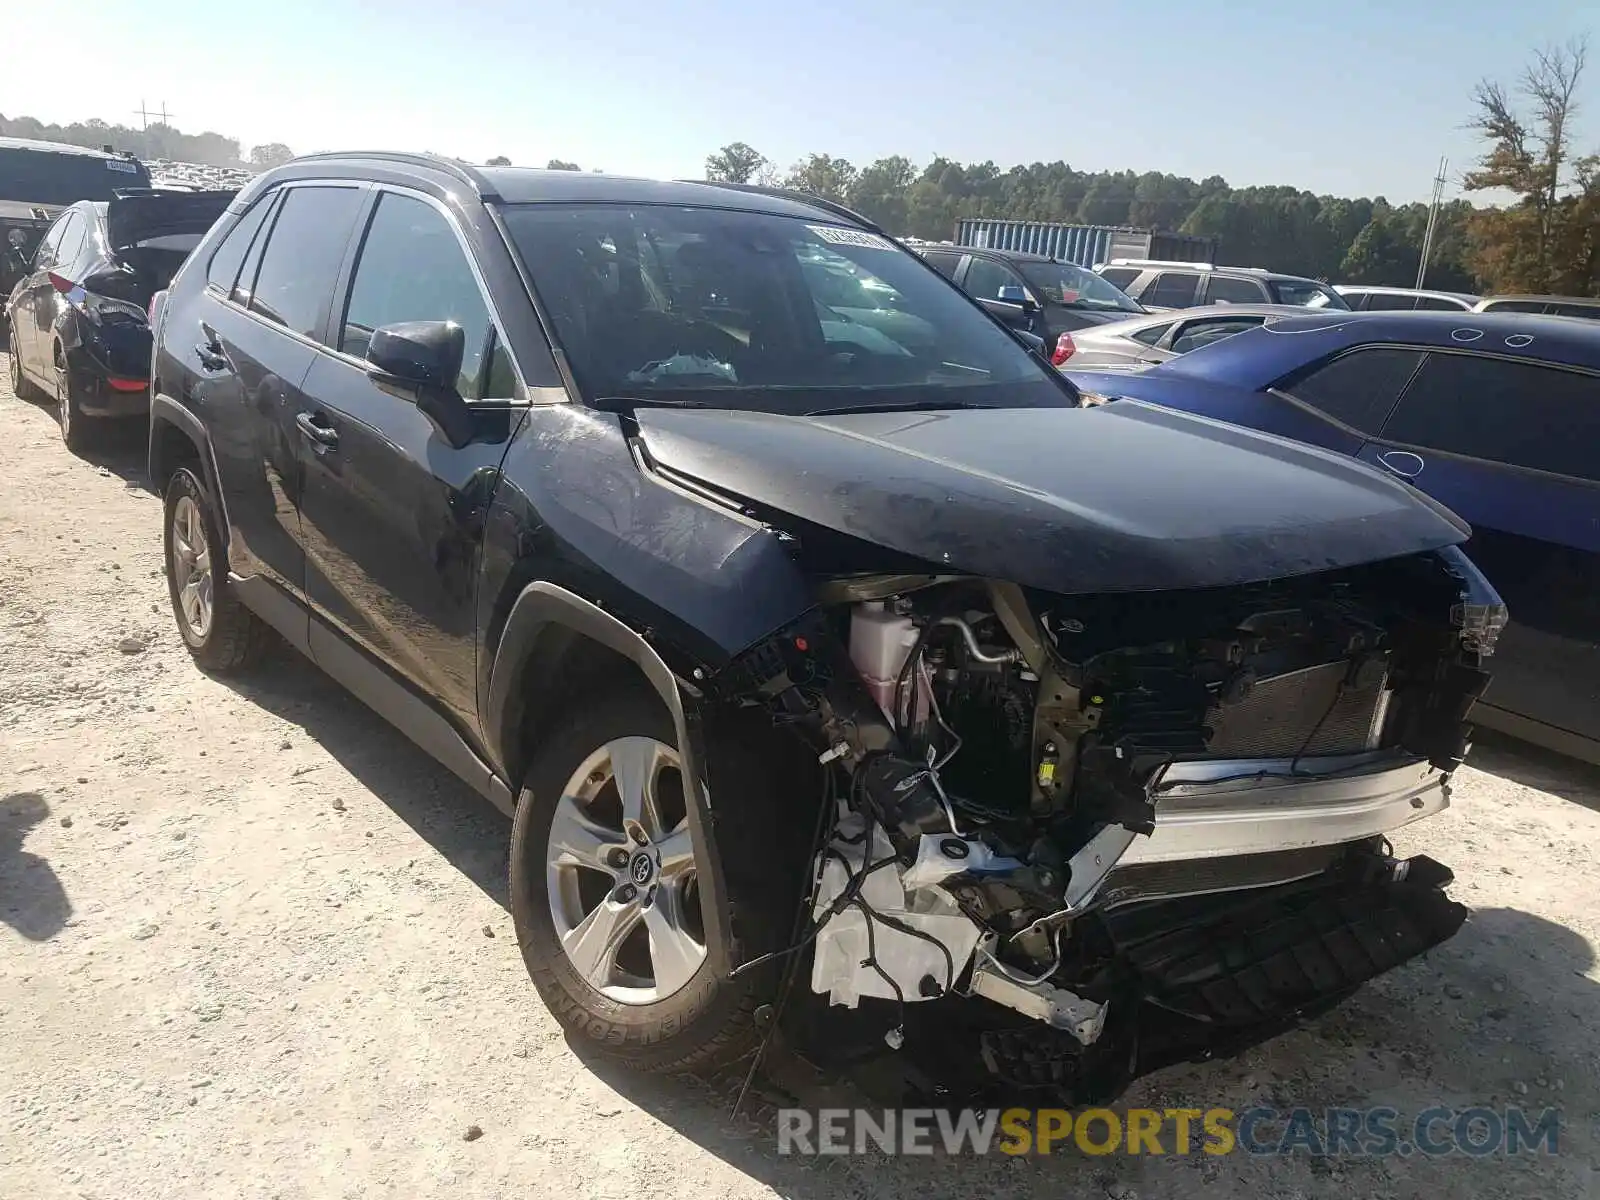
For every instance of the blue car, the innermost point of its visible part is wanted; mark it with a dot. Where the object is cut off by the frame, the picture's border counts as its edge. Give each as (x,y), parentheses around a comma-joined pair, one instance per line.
(1496,416)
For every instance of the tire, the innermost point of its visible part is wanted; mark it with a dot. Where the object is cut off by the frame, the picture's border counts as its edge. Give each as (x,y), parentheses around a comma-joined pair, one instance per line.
(21,385)
(707,1021)
(77,430)
(230,638)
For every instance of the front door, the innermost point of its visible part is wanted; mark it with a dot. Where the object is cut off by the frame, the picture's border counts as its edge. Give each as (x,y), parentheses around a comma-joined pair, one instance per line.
(30,303)
(1509,446)
(392,511)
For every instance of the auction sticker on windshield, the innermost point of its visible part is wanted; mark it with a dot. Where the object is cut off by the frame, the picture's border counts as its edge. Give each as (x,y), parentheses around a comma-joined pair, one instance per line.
(850,237)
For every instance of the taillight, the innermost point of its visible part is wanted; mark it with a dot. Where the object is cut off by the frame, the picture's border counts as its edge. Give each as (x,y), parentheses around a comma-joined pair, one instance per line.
(61,283)
(1064,350)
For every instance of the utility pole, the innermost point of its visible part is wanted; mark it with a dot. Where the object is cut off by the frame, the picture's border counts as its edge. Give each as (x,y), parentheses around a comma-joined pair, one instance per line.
(145,114)
(1433,221)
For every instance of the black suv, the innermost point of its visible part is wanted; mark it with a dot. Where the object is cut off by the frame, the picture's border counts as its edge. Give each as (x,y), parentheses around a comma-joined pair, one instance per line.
(1043,296)
(733,597)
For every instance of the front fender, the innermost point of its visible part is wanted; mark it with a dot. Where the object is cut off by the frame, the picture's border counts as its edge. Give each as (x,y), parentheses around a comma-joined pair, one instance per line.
(541,608)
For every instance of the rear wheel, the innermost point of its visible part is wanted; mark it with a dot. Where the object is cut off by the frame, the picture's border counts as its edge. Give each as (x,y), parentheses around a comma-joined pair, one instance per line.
(222,634)
(75,427)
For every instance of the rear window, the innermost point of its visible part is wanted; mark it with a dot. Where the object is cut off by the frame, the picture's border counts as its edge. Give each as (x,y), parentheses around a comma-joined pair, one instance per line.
(54,177)
(1070,286)
(1230,289)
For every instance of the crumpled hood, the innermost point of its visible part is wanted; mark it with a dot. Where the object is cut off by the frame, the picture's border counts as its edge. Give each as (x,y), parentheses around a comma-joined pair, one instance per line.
(1122,497)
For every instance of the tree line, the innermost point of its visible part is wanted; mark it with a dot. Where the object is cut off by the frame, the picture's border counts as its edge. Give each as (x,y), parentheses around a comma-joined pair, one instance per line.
(156,140)
(1546,239)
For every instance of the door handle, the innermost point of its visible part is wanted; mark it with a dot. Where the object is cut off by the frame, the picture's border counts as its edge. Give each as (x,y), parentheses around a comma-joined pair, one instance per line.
(1403,463)
(316,431)
(211,355)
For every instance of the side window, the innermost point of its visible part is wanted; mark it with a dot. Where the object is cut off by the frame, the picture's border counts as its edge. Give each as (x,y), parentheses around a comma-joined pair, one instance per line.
(1390,302)
(1121,276)
(985,278)
(1195,334)
(304,253)
(412,268)
(1522,413)
(1358,388)
(1172,289)
(1230,289)
(1442,304)
(72,239)
(1518,306)
(45,255)
(223,270)
(1590,312)
(1153,334)
(943,261)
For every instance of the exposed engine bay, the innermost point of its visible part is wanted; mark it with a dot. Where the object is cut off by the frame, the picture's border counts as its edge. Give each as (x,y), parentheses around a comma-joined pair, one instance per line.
(1073,812)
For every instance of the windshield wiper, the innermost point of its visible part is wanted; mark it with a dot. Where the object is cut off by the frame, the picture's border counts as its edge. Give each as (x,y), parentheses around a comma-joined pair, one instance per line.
(895,406)
(622,404)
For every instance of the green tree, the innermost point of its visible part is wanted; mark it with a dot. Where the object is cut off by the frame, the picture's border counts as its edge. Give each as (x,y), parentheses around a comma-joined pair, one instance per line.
(736,162)
(882,192)
(558,164)
(499,160)
(1537,243)
(823,175)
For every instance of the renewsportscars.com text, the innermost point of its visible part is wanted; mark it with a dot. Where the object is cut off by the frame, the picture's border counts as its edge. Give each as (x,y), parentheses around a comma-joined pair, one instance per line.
(1331,1132)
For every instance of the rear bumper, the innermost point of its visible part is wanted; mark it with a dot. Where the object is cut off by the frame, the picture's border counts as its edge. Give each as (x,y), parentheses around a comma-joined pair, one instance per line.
(1217,808)
(91,381)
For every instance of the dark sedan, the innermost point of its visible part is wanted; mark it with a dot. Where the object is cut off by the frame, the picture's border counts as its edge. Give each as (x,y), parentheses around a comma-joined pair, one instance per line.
(78,327)
(1496,416)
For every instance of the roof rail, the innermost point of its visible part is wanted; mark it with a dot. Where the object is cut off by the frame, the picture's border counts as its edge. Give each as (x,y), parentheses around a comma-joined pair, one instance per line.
(830,206)
(465,172)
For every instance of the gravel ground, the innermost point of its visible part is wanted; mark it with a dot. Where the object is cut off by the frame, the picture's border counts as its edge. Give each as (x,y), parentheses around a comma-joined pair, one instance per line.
(254,944)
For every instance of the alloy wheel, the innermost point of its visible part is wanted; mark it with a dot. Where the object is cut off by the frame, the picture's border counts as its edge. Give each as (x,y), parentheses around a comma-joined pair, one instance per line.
(620,873)
(191,566)
(17,385)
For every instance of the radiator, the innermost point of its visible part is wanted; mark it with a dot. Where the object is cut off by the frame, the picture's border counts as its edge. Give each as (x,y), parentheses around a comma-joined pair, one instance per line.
(1306,712)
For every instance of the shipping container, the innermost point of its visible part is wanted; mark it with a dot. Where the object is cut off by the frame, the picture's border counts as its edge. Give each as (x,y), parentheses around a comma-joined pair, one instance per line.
(1085,245)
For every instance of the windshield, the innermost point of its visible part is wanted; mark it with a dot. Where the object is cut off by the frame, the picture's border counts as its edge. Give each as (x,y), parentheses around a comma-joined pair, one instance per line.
(751,310)
(58,178)
(1305,293)
(1071,286)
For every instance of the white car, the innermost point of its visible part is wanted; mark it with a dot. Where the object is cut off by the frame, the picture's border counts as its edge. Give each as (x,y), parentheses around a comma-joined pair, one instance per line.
(1155,337)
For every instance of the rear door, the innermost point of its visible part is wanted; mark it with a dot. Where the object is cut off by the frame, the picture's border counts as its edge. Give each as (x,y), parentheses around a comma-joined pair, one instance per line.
(392,511)
(38,299)
(250,341)
(1510,445)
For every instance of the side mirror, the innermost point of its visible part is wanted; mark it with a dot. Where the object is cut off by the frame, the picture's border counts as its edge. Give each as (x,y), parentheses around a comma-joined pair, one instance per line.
(1012,294)
(420,361)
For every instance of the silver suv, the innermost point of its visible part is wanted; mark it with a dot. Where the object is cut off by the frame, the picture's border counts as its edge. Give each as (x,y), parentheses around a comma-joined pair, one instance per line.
(1159,284)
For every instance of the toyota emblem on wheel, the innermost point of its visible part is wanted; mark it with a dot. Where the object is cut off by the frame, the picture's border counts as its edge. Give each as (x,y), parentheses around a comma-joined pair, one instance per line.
(642,869)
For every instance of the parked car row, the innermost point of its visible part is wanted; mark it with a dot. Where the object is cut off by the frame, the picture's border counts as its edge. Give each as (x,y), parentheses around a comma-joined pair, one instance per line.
(738,555)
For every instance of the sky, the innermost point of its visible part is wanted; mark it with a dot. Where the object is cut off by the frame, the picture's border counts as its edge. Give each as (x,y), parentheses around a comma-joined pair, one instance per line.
(1350,97)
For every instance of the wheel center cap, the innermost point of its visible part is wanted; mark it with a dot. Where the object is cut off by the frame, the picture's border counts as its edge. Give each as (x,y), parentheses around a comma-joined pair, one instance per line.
(641,869)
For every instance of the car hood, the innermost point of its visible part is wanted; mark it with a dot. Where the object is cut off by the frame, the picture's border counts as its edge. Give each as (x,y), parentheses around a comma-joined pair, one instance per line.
(140,216)
(1121,497)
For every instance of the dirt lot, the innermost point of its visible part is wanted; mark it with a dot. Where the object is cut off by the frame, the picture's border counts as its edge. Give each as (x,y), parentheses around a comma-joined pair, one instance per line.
(253,944)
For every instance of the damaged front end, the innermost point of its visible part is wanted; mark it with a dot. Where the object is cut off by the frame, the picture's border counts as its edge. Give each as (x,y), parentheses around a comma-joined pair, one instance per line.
(1117,831)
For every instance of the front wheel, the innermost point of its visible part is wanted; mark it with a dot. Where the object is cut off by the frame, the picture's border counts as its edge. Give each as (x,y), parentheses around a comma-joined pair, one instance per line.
(606,900)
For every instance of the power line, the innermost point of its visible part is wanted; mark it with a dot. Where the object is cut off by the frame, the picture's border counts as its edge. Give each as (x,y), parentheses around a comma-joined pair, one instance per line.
(144,114)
